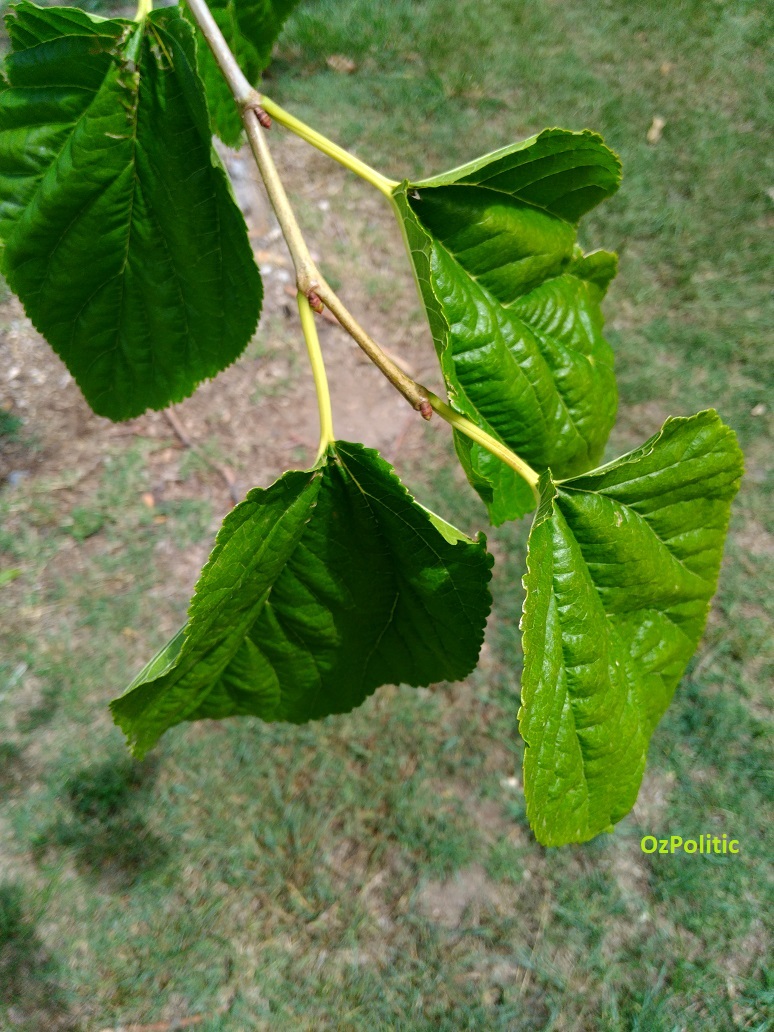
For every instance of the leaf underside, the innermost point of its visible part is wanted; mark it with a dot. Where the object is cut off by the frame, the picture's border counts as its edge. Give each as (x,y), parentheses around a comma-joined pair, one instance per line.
(250,28)
(514,305)
(622,564)
(319,589)
(121,235)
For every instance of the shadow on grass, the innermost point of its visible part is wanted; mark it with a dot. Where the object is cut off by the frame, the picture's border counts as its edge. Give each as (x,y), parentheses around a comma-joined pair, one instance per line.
(30,997)
(104,824)
(11,765)
(42,713)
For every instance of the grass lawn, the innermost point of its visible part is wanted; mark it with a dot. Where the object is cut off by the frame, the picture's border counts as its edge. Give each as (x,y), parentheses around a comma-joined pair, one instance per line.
(376,871)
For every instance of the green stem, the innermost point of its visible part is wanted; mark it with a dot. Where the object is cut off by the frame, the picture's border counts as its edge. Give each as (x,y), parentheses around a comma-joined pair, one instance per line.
(309,328)
(144,8)
(475,433)
(307,276)
(414,393)
(322,143)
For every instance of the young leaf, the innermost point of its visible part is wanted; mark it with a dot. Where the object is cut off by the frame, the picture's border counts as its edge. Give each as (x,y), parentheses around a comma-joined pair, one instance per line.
(121,235)
(319,589)
(250,28)
(514,306)
(622,564)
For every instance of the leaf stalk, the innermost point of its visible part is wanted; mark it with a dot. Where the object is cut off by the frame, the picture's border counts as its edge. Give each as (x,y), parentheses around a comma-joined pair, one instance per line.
(333,150)
(309,327)
(475,433)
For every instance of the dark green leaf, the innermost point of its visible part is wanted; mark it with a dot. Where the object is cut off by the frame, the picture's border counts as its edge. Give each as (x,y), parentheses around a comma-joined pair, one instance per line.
(514,306)
(622,564)
(320,589)
(250,28)
(121,235)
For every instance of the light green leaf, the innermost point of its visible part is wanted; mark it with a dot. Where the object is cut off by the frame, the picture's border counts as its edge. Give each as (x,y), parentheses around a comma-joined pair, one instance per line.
(320,589)
(121,235)
(514,305)
(622,564)
(250,28)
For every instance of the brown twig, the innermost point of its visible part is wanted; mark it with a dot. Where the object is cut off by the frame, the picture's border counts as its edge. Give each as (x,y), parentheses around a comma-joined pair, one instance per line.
(224,471)
(175,1023)
(329,317)
(308,278)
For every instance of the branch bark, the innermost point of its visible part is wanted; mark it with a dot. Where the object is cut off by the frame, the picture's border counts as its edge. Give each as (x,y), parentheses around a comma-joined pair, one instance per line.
(309,280)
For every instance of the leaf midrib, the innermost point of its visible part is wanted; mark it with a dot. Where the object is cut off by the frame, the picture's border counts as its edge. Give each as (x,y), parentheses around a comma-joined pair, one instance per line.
(514,361)
(193,656)
(484,184)
(642,521)
(427,543)
(617,645)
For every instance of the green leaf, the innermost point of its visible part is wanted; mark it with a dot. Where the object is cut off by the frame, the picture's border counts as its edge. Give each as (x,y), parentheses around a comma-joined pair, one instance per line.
(622,564)
(514,305)
(122,237)
(250,28)
(320,589)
